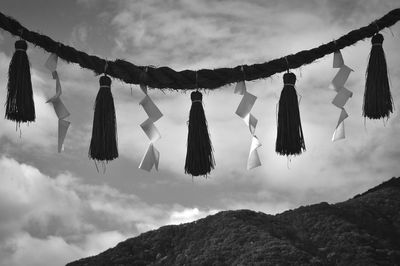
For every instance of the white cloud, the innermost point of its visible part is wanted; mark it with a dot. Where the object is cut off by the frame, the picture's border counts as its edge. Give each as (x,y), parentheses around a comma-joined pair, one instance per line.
(87,3)
(65,219)
(188,215)
(80,37)
(26,250)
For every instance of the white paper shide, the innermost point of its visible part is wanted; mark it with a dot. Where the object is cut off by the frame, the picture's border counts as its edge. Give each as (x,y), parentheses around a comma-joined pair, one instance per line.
(152,155)
(59,107)
(243,110)
(343,94)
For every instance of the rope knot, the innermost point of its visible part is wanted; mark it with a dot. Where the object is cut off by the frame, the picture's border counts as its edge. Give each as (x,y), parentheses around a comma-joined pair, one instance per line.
(105,81)
(196,96)
(377,39)
(289,78)
(21,45)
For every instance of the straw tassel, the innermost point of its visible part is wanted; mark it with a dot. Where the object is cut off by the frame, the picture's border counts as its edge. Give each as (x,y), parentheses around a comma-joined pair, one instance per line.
(378,101)
(290,140)
(199,156)
(19,105)
(103,145)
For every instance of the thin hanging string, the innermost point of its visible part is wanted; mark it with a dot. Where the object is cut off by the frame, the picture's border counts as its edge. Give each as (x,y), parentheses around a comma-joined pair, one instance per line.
(197,89)
(103,166)
(377,26)
(287,64)
(95,164)
(197,84)
(143,76)
(244,73)
(21,32)
(391,31)
(18,127)
(105,67)
(288,161)
(335,44)
(365,125)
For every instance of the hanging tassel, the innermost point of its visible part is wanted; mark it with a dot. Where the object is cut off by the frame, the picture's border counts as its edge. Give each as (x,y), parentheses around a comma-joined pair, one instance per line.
(103,145)
(199,156)
(20,106)
(377,98)
(289,139)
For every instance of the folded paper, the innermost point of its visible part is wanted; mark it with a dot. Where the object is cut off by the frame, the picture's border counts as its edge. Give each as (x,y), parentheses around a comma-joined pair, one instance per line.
(151,131)
(51,62)
(254,159)
(151,109)
(339,132)
(342,95)
(243,110)
(337,59)
(62,132)
(150,159)
(251,122)
(240,88)
(246,104)
(59,107)
(152,156)
(143,88)
(342,117)
(341,77)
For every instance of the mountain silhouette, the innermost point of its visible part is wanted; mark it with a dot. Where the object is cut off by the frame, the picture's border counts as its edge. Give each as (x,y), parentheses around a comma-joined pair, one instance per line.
(364,230)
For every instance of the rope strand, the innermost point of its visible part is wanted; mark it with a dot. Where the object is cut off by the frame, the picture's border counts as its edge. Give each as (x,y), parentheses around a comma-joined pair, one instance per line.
(168,78)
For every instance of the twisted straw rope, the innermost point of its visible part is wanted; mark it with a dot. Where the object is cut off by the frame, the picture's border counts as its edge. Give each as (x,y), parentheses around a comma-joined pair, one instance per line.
(167,78)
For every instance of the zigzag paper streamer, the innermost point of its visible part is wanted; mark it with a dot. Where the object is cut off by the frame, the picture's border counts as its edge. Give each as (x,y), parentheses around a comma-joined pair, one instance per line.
(243,110)
(152,155)
(59,107)
(342,95)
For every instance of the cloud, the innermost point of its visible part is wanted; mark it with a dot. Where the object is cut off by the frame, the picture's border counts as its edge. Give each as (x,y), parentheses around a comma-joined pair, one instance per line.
(65,219)
(87,3)
(82,212)
(80,38)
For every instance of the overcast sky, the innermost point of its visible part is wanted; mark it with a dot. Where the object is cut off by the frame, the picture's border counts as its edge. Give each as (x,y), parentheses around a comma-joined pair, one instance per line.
(55,208)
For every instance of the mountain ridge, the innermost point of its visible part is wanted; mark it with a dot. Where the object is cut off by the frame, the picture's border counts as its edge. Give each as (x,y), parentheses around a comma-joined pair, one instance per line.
(364,230)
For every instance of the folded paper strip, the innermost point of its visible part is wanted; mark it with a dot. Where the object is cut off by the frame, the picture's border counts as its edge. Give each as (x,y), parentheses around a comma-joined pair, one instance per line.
(343,94)
(152,155)
(59,107)
(243,111)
